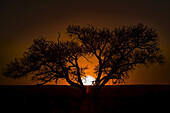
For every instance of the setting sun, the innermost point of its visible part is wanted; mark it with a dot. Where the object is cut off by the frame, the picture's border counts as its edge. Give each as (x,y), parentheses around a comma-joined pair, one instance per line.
(88,80)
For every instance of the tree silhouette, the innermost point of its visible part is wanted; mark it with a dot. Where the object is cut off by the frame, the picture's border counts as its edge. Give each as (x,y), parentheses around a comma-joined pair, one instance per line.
(118,51)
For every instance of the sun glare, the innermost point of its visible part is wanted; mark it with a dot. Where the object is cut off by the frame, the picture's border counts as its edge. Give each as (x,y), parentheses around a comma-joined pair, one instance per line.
(88,80)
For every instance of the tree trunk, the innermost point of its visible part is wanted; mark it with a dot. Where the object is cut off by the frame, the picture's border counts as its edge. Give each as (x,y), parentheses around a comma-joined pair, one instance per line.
(96,93)
(87,105)
(98,88)
(83,91)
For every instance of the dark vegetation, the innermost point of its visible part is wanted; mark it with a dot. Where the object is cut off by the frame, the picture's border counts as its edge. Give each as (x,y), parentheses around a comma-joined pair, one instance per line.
(66,99)
(117,51)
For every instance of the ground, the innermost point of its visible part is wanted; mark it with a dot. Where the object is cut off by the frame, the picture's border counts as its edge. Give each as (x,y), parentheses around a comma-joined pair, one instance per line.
(66,99)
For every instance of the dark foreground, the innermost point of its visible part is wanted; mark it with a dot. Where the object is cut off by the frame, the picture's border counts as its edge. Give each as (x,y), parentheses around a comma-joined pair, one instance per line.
(65,99)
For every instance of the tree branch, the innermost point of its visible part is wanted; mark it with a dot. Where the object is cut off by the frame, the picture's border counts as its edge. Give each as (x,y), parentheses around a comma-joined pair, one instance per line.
(78,71)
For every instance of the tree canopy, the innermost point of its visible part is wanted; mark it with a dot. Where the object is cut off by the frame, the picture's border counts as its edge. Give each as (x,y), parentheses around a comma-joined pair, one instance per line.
(118,51)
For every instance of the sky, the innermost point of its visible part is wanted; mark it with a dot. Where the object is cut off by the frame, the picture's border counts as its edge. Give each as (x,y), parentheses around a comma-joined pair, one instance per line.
(21,21)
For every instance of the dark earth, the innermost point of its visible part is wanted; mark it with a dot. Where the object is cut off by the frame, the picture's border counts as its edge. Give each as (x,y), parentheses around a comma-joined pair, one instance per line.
(67,99)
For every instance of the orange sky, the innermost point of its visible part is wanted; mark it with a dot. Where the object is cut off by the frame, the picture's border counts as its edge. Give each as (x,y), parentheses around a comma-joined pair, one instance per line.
(23,21)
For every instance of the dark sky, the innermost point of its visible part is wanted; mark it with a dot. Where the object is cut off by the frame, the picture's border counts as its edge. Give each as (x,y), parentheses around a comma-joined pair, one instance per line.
(21,21)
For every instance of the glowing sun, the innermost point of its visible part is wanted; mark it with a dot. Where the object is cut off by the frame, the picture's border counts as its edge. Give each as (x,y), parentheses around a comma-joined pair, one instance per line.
(88,80)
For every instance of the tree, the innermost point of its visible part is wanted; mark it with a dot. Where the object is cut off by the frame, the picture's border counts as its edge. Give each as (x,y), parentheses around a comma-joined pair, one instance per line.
(118,51)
